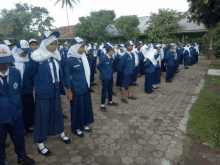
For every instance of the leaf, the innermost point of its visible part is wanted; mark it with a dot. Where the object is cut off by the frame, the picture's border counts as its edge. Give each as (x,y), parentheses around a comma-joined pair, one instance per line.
(205,1)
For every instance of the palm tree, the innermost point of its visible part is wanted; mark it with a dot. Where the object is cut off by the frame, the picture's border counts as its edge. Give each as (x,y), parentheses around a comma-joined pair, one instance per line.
(67,3)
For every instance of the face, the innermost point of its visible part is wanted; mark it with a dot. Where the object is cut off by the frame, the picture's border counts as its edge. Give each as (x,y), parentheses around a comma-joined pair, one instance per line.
(4,66)
(140,45)
(81,49)
(10,47)
(52,47)
(122,50)
(89,52)
(34,46)
(159,50)
(23,54)
(172,47)
(130,48)
(111,52)
(66,45)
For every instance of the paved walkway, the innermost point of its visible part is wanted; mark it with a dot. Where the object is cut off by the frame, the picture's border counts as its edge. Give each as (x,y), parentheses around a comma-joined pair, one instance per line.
(145,131)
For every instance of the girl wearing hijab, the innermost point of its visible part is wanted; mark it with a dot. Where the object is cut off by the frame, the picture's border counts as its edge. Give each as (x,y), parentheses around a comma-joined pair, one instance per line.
(20,54)
(136,61)
(170,62)
(77,80)
(157,72)
(186,55)
(46,70)
(149,64)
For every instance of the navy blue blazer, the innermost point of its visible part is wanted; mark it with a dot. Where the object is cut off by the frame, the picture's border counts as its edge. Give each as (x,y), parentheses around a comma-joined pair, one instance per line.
(148,66)
(178,51)
(75,69)
(186,54)
(170,58)
(156,56)
(126,65)
(10,101)
(43,81)
(106,67)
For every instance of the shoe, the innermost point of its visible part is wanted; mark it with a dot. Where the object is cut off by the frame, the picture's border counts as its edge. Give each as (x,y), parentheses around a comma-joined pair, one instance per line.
(94,84)
(87,129)
(113,93)
(65,116)
(135,84)
(79,133)
(154,87)
(124,101)
(48,153)
(68,141)
(113,104)
(104,109)
(27,161)
(132,97)
(91,90)
(169,81)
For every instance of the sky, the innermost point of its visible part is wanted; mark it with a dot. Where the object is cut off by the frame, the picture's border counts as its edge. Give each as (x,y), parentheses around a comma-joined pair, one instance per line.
(121,7)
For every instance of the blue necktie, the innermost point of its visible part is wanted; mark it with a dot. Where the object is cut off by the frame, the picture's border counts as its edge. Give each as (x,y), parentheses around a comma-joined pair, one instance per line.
(5,82)
(55,73)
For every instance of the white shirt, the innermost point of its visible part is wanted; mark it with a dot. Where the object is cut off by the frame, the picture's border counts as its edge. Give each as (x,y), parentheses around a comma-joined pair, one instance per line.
(57,69)
(6,74)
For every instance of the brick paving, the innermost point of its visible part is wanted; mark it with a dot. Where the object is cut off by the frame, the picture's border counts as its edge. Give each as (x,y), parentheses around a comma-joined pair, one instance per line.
(138,133)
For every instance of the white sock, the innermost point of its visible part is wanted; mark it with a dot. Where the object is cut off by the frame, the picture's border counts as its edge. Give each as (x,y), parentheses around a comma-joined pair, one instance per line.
(86,128)
(62,135)
(41,146)
(79,131)
(110,102)
(102,105)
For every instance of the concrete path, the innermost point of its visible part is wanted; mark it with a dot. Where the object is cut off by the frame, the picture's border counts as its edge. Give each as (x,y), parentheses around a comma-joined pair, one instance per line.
(148,131)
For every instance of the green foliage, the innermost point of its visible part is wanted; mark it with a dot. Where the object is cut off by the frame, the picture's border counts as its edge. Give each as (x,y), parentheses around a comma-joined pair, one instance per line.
(204,11)
(127,26)
(163,25)
(25,21)
(95,25)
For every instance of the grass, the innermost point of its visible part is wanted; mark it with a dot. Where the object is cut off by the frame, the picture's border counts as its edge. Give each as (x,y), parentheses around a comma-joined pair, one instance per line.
(205,113)
(212,65)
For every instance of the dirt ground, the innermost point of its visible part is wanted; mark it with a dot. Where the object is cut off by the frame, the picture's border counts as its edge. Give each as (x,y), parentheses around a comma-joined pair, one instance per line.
(215,89)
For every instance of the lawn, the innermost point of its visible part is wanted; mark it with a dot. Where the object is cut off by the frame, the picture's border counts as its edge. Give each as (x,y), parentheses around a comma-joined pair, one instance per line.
(205,113)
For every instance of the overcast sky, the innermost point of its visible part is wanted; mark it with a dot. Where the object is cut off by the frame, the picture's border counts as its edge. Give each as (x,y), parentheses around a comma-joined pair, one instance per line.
(121,7)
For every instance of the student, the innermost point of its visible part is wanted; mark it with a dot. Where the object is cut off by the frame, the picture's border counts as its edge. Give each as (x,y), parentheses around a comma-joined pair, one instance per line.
(120,54)
(106,75)
(8,43)
(77,80)
(127,65)
(91,59)
(157,71)
(163,63)
(196,52)
(186,55)
(33,45)
(191,58)
(20,54)
(46,70)
(170,61)
(141,58)
(11,108)
(65,49)
(135,53)
(149,65)
(179,52)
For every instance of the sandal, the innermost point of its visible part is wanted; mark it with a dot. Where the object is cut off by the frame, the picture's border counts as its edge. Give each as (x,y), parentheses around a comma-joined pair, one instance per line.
(67,141)
(48,153)
(79,133)
(87,129)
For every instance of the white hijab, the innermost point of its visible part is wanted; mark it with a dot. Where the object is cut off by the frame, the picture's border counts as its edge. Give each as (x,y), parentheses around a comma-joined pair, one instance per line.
(197,48)
(119,52)
(73,52)
(150,55)
(135,51)
(19,60)
(187,48)
(41,54)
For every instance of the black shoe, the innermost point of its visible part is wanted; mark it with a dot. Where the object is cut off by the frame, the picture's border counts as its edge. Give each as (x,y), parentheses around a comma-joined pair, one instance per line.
(88,130)
(135,84)
(132,97)
(68,141)
(94,84)
(27,161)
(104,109)
(113,104)
(48,153)
(124,101)
(113,93)
(80,135)
(65,116)
(92,91)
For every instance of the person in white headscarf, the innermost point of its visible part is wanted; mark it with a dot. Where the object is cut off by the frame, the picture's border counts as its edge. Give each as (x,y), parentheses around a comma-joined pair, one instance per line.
(46,70)
(186,56)
(136,58)
(20,54)
(77,81)
(149,64)
(196,47)
(157,72)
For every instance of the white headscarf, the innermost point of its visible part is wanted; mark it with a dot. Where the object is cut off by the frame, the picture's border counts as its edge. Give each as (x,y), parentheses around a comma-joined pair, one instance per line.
(197,48)
(73,52)
(150,55)
(19,60)
(187,47)
(135,51)
(42,54)
(119,52)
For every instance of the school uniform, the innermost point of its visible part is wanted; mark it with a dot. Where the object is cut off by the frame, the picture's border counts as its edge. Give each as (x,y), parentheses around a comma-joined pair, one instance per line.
(163,66)
(81,104)
(157,72)
(92,68)
(119,78)
(127,66)
(178,51)
(170,62)
(149,73)
(186,55)
(135,61)
(191,58)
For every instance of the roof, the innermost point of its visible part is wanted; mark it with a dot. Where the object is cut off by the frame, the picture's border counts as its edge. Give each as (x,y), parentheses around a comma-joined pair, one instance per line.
(67,32)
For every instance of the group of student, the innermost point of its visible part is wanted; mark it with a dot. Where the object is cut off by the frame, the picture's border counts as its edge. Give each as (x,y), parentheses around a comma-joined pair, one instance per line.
(47,69)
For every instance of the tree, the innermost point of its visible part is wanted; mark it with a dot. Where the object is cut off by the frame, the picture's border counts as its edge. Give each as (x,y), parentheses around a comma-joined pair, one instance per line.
(127,26)
(163,25)
(95,25)
(67,3)
(205,11)
(26,21)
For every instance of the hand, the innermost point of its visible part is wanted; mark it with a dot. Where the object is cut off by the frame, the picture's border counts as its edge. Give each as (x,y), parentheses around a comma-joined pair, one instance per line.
(70,77)
(70,95)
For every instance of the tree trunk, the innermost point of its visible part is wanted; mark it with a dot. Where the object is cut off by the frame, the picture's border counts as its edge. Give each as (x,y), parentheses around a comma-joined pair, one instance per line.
(67,15)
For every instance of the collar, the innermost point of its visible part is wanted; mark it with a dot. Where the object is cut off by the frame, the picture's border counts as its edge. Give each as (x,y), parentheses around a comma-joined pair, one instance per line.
(6,73)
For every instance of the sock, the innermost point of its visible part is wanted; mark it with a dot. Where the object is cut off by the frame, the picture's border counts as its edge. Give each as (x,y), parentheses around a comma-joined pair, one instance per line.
(102,105)
(86,127)
(62,135)
(79,131)
(130,96)
(110,102)
(41,146)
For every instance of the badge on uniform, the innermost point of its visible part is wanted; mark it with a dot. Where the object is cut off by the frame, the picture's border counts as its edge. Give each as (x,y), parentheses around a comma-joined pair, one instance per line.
(15,85)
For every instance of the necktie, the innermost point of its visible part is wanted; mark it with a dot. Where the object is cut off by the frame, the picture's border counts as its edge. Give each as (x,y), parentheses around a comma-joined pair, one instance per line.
(55,73)
(5,82)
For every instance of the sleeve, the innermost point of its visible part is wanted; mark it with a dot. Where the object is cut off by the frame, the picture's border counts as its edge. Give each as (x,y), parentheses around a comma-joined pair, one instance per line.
(67,74)
(122,63)
(32,69)
(100,64)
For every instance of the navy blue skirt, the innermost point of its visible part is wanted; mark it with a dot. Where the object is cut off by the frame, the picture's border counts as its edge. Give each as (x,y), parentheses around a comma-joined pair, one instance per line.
(134,76)
(48,117)
(81,111)
(28,107)
(148,82)
(127,81)
(119,78)
(156,76)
